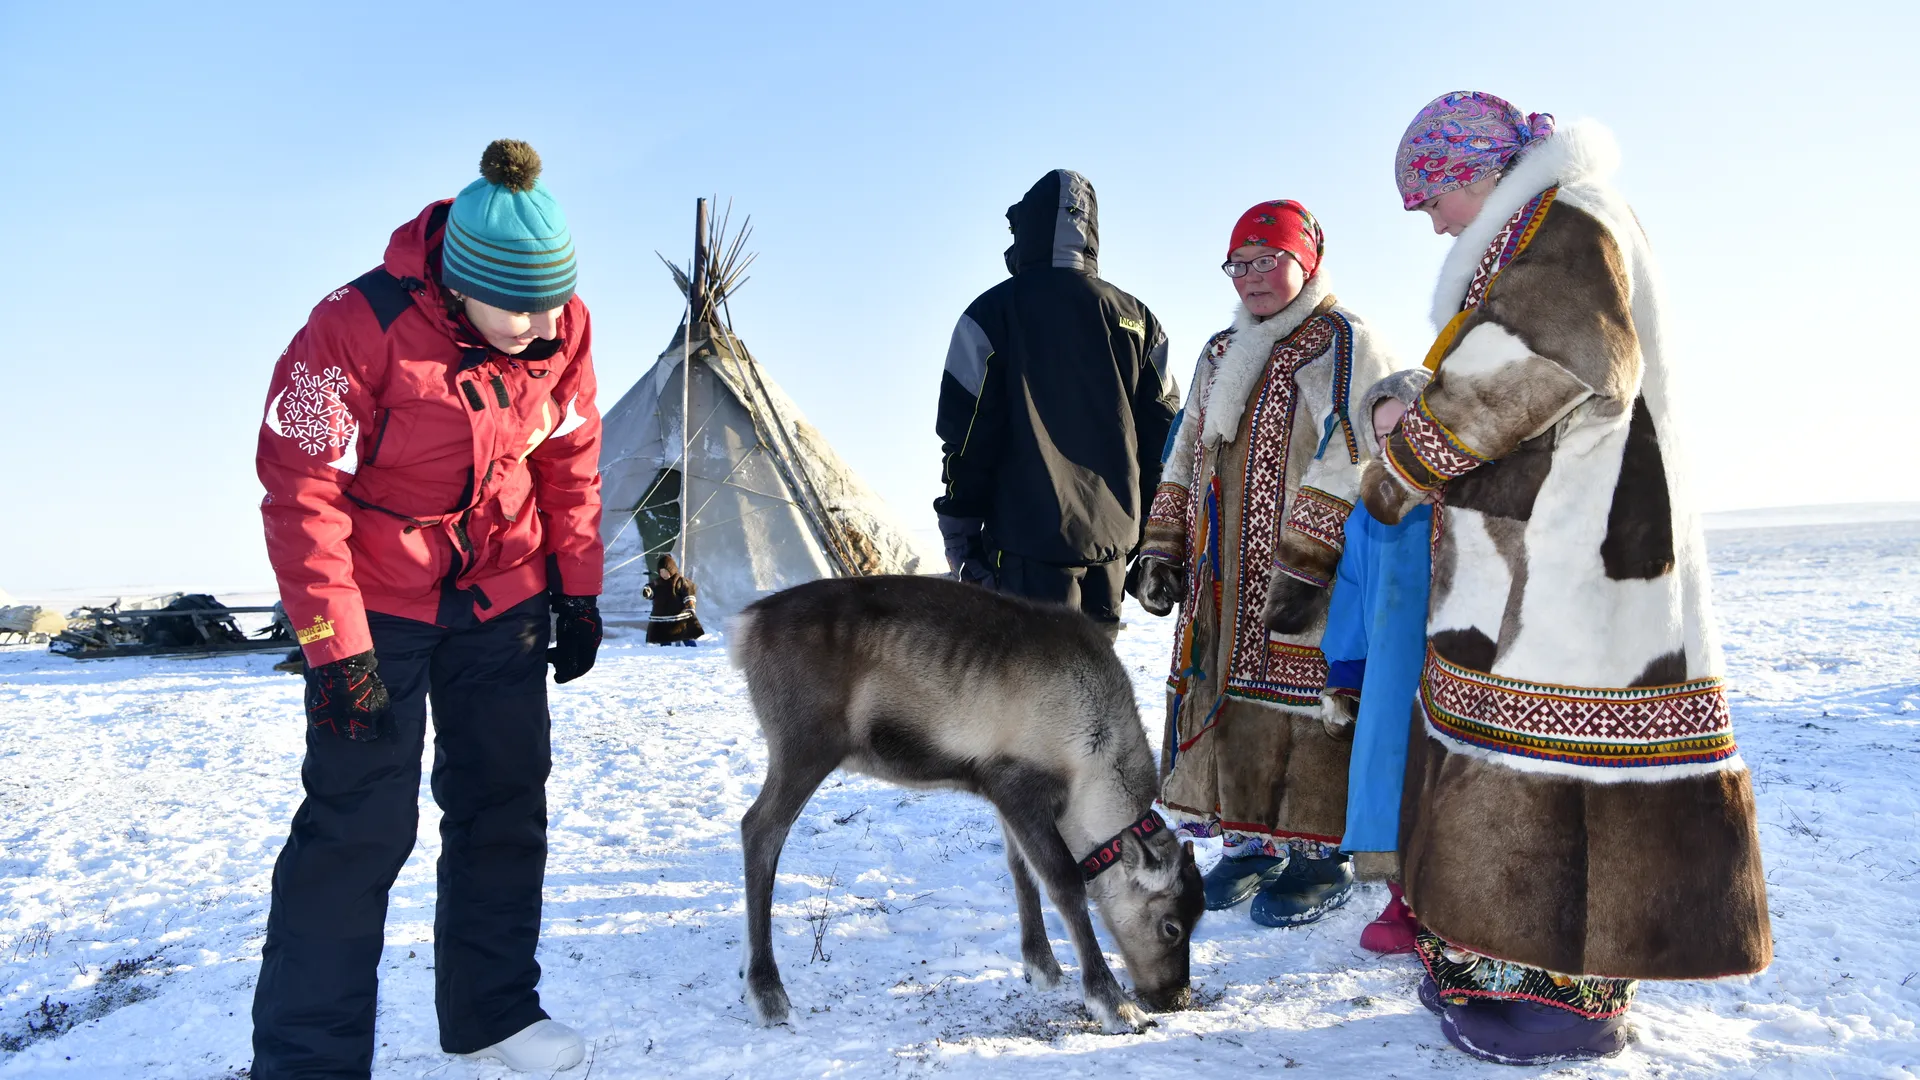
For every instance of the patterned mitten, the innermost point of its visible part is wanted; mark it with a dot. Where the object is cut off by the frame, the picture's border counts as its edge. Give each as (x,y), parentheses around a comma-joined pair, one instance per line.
(346,698)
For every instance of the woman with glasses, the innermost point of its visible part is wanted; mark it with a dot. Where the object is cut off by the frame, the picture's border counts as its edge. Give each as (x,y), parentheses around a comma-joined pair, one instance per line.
(1244,533)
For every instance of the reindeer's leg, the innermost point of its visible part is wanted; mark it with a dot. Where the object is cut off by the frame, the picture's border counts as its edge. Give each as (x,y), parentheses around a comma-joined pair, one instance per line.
(1036,953)
(791,780)
(1030,822)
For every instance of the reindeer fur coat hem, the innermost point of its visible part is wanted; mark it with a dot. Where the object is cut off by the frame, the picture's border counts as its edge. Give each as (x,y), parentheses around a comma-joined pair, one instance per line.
(1574,799)
(1265,458)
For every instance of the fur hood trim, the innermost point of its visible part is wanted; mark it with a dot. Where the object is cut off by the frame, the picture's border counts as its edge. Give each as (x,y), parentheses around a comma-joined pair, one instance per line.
(1583,153)
(1247,354)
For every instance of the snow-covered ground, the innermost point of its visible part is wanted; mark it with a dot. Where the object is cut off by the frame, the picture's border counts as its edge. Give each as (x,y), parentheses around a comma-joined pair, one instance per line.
(142,802)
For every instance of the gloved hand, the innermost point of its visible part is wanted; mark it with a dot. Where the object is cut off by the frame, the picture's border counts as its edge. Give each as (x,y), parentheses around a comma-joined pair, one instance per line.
(576,635)
(1158,584)
(966,543)
(346,698)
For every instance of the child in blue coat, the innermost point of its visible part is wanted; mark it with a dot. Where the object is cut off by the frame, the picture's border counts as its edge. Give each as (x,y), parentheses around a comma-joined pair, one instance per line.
(1375,645)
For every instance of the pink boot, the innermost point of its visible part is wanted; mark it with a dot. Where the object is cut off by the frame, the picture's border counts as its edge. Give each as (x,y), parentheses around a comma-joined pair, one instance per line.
(1391,933)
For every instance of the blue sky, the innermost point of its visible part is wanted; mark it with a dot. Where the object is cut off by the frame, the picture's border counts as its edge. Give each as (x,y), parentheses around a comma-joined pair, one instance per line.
(188,180)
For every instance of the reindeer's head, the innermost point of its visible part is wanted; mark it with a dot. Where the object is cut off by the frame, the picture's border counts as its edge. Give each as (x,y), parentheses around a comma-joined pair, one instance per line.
(1150,902)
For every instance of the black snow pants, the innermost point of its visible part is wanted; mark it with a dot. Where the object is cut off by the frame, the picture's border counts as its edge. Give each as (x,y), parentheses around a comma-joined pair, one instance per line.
(313,1009)
(1096,590)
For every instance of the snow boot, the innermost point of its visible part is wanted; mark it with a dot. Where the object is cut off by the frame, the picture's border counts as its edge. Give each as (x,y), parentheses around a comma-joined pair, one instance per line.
(1233,880)
(1392,933)
(1305,892)
(542,1046)
(1524,1033)
(1430,995)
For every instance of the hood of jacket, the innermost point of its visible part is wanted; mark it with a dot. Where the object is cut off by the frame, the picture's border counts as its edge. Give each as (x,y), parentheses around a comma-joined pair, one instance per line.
(1057,223)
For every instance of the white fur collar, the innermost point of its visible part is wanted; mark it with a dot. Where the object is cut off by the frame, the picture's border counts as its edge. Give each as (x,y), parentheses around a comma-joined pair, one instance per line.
(1583,151)
(1247,354)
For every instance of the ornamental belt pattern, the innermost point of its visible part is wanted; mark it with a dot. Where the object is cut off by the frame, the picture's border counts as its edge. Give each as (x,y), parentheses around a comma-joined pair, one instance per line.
(1634,727)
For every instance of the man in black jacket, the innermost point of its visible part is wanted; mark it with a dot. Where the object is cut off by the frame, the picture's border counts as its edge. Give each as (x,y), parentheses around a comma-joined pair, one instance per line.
(1054,409)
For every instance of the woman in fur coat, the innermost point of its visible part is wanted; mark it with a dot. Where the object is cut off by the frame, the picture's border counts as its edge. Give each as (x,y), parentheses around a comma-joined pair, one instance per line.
(1262,468)
(1576,816)
(673,621)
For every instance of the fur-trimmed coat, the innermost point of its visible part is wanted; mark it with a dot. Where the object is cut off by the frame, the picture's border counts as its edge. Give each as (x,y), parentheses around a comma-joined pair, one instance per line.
(1265,458)
(1574,799)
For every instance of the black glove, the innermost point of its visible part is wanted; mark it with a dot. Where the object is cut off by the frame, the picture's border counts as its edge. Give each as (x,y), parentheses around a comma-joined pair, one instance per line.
(576,635)
(346,697)
(965,540)
(1159,585)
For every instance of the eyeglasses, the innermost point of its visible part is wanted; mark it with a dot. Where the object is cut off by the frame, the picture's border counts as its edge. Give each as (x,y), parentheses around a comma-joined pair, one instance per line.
(1261,265)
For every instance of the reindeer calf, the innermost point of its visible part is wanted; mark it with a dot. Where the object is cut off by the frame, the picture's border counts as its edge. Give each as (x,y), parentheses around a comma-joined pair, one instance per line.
(931,683)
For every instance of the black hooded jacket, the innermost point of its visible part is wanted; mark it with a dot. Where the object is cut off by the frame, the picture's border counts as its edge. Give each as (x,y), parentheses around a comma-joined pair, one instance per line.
(1056,399)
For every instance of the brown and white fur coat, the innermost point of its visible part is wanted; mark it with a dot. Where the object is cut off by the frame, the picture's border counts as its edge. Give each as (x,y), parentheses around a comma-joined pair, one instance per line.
(1574,800)
(1245,748)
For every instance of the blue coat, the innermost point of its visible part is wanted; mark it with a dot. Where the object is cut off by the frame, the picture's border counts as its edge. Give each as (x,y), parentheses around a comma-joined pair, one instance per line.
(1376,642)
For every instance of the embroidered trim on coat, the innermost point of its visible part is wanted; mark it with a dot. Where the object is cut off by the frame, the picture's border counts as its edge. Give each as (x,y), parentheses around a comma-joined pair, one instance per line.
(1165,536)
(1436,448)
(1505,247)
(1258,668)
(1289,674)
(1320,517)
(1255,671)
(1629,727)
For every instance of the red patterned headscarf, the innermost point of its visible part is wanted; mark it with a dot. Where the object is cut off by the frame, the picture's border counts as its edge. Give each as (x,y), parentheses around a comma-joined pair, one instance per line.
(1284,225)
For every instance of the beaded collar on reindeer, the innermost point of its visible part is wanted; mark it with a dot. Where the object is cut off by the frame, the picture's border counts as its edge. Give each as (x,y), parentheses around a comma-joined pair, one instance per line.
(1108,853)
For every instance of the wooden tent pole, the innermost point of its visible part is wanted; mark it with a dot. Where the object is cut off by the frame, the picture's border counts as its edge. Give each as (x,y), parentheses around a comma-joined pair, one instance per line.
(696,314)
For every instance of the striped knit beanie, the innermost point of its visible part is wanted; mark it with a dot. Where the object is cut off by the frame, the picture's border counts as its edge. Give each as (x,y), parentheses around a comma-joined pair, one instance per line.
(507,242)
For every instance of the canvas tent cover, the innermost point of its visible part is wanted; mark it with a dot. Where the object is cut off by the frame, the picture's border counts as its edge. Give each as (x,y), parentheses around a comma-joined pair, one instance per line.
(772,505)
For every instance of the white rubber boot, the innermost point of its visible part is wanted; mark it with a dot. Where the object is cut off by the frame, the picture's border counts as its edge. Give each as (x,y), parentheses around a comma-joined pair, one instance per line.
(542,1046)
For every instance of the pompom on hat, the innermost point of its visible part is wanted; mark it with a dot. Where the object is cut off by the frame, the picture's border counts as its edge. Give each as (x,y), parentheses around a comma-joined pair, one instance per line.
(1459,138)
(507,242)
(1283,225)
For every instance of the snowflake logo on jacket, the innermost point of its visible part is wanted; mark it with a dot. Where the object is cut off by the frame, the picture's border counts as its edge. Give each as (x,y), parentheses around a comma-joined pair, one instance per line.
(313,411)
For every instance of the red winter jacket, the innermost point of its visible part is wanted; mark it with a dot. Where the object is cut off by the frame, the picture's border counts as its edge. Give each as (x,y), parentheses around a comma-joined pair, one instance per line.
(412,470)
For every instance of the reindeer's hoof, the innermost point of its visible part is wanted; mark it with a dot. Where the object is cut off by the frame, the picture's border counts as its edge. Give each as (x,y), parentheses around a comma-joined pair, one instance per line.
(1124,1018)
(1042,972)
(769,1002)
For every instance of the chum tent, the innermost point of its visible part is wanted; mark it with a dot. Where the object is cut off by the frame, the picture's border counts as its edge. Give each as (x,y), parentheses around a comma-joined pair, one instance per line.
(769,503)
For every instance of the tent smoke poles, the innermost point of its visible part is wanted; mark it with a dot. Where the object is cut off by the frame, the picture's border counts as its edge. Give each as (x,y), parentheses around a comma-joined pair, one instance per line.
(696,309)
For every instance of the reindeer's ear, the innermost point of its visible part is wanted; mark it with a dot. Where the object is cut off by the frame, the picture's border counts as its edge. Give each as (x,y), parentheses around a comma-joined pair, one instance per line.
(1152,858)
(1138,856)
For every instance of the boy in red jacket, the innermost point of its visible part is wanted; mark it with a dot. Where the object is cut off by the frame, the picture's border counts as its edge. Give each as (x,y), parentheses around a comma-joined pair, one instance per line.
(430,453)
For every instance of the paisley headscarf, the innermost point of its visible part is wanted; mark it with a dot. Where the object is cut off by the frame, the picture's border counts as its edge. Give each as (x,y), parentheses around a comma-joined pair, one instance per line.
(1283,225)
(1459,138)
